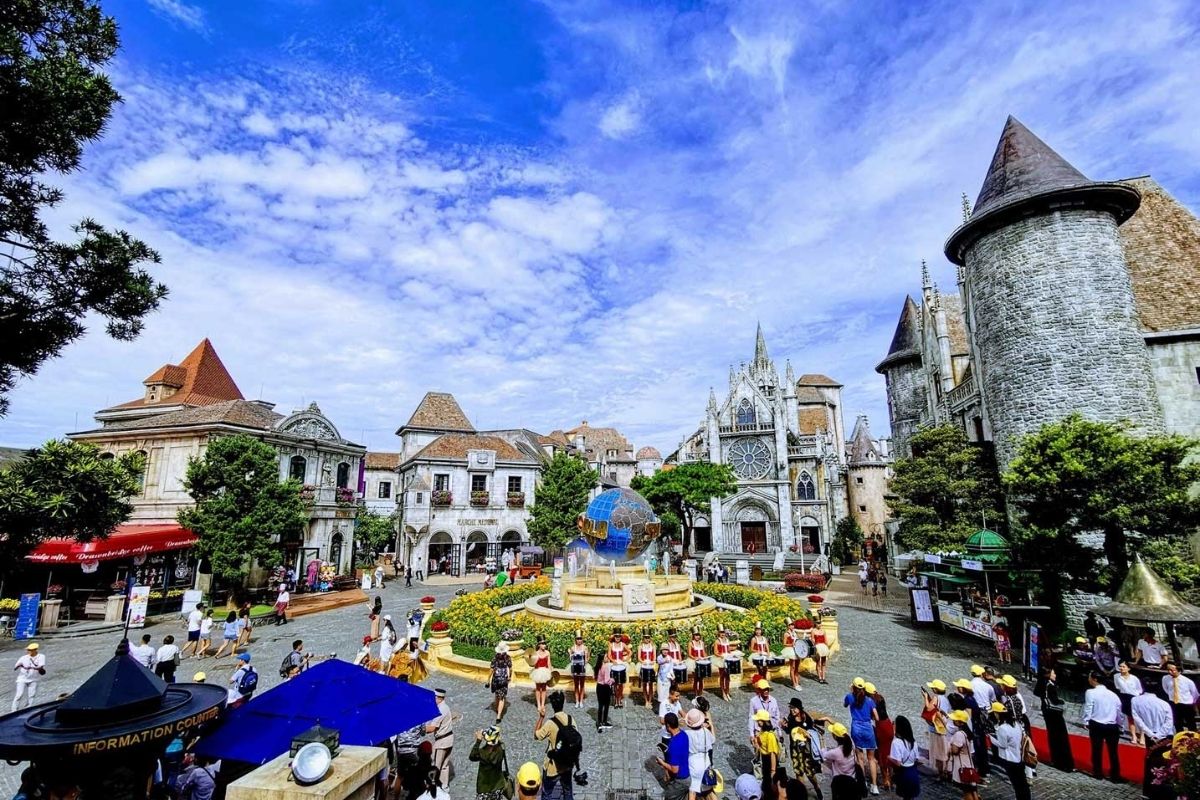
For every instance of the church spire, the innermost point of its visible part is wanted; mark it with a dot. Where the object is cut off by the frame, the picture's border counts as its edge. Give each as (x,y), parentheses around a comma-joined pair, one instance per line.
(925,282)
(966,208)
(789,375)
(760,347)
(712,400)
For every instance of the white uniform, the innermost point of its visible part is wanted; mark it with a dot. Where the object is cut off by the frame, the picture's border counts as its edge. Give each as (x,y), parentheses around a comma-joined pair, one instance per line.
(28,671)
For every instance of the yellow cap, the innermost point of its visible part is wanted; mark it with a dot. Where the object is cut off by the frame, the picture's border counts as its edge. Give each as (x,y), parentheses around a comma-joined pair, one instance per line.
(1080,640)
(762,715)
(998,708)
(199,677)
(761,683)
(1101,640)
(31,646)
(959,715)
(859,683)
(937,685)
(869,687)
(838,729)
(976,670)
(529,775)
(1009,681)
(963,683)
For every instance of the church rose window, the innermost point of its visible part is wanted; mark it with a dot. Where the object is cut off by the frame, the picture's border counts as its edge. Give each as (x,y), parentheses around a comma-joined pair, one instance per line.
(750,458)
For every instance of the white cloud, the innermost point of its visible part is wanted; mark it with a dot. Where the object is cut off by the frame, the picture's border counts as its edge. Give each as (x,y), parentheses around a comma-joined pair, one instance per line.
(621,118)
(179,12)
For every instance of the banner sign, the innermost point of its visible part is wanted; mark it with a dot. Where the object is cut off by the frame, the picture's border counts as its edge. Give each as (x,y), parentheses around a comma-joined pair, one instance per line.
(968,563)
(932,559)
(27,616)
(139,601)
(921,606)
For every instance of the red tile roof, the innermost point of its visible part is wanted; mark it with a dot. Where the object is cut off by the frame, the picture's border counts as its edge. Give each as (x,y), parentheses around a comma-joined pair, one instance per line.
(439,411)
(200,380)
(456,445)
(383,460)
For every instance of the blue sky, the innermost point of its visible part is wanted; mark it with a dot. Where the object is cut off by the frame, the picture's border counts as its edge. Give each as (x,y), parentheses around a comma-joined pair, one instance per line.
(577,210)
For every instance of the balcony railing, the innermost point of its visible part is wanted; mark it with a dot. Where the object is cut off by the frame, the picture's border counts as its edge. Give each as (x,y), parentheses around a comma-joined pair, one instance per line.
(747,427)
(440,497)
(516,499)
(962,395)
(480,498)
(805,446)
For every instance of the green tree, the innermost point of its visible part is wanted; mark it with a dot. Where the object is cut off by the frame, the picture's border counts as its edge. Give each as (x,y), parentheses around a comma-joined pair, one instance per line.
(562,495)
(847,537)
(64,490)
(374,532)
(1076,476)
(686,490)
(56,98)
(946,491)
(242,509)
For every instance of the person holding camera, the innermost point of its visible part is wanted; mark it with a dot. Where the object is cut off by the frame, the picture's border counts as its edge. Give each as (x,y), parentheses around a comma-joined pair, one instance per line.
(30,668)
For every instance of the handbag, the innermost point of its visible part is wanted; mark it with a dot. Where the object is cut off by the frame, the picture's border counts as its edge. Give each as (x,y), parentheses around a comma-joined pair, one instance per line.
(966,772)
(710,778)
(1029,753)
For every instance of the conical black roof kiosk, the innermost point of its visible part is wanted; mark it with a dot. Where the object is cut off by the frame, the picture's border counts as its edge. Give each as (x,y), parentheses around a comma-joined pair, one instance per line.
(106,735)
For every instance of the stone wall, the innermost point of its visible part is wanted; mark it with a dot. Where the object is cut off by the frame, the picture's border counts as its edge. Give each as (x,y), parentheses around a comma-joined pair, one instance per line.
(1076,604)
(1174,365)
(869,494)
(1055,326)
(906,403)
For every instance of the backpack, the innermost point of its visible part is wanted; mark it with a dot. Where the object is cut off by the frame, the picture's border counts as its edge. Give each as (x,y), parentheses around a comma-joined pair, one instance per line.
(568,746)
(248,682)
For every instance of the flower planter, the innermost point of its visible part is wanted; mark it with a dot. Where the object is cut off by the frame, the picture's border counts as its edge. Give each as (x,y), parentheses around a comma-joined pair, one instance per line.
(516,499)
(427,606)
(440,498)
(480,499)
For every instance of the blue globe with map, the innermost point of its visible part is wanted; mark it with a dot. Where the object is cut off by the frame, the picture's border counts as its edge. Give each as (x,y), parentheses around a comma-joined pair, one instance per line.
(619,524)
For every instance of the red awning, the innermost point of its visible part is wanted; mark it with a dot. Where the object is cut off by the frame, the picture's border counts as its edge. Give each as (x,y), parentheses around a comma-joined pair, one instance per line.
(126,541)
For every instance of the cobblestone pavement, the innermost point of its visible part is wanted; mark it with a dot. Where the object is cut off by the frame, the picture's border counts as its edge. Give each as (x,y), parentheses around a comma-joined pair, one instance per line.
(877,644)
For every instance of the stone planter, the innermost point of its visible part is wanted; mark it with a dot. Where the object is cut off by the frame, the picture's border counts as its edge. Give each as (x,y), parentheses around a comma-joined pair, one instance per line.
(439,637)
(515,648)
(427,607)
(830,626)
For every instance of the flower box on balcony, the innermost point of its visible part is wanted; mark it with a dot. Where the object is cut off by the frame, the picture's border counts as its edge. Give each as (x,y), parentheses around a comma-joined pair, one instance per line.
(516,499)
(479,498)
(344,496)
(440,497)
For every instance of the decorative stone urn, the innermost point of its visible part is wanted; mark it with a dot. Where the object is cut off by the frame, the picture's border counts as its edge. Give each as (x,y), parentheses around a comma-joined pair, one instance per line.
(426,606)
(438,637)
(830,626)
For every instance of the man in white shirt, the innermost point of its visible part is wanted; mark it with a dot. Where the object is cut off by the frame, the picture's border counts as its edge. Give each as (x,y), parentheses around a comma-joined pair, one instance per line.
(1153,717)
(143,653)
(1182,695)
(1150,650)
(985,694)
(30,668)
(1102,715)
(165,659)
(193,630)
(670,706)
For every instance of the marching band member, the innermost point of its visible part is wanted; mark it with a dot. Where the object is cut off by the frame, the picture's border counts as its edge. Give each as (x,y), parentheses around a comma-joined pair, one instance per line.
(760,650)
(701,663)
(722,655)
(647,665)
(618,654)
(674,651)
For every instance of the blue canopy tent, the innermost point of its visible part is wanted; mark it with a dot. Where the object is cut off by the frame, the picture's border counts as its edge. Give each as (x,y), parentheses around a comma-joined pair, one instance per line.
(365,707)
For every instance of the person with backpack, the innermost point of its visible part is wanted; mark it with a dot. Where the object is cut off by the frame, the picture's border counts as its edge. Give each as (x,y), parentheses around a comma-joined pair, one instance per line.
(242,682)
(199,781)
(563,751)
(293,662)
(499,677)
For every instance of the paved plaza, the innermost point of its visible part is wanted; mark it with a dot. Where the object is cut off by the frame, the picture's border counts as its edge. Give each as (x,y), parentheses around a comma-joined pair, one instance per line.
(877,644)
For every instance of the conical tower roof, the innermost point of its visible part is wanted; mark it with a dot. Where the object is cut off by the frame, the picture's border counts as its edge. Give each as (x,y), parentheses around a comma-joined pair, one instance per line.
(862,446)
(906,341)
(121,688)
(1144,596)
(1023,165)
(1027,177)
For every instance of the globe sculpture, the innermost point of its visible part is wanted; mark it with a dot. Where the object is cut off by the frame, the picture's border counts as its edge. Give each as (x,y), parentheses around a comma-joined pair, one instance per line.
(619,524)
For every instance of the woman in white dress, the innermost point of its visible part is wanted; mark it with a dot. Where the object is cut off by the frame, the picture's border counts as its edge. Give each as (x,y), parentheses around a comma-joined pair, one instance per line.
(387,643)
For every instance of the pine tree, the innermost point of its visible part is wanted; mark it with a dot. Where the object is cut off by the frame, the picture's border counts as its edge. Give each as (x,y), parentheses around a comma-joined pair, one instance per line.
(562,495)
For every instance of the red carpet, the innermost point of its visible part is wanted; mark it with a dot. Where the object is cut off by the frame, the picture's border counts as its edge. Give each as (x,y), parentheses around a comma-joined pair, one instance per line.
(1132,758)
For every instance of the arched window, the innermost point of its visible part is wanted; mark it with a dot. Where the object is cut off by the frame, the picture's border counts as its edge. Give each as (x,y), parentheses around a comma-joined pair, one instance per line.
(107,456)
(343,475)
(805,488)
(297,468)
(745,413)
(335,552)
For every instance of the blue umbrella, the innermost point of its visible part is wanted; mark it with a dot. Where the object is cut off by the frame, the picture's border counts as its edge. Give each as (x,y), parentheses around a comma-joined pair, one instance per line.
(365,707)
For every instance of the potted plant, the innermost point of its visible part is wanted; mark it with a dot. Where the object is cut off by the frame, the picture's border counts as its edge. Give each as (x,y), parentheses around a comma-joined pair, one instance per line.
(427,602)
(513,638)
(439,630)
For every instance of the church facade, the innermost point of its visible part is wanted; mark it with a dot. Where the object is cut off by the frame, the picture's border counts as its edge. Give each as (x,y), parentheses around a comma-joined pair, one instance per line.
(1073,296)
(785,440)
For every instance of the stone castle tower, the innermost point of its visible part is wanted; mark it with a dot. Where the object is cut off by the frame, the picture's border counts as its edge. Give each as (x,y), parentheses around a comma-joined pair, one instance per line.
(869,471)
(1048,296)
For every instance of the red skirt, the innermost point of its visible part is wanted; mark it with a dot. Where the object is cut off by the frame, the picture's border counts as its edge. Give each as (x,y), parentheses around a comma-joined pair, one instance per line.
(885,732)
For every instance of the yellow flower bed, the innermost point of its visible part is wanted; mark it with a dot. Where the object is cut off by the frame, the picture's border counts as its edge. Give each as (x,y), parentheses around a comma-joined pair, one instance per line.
(474,619)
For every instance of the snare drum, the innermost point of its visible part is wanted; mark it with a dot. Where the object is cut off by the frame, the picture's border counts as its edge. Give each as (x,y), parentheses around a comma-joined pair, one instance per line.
(775,661)
(734,663)
(647,674)
(704,667)
(618,673)
(681,675)
(578,670)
